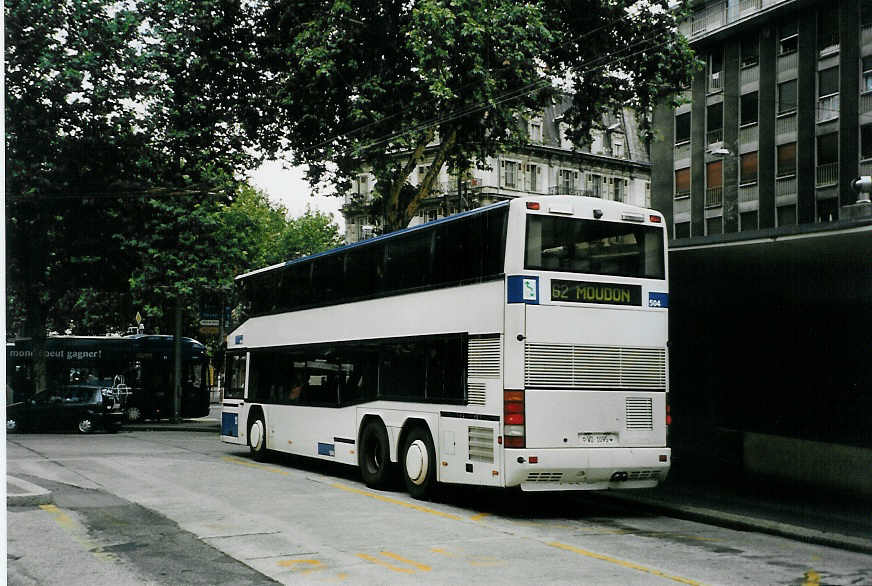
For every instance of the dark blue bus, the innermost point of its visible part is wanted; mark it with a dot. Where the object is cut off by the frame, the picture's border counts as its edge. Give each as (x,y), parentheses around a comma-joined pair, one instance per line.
(140,365)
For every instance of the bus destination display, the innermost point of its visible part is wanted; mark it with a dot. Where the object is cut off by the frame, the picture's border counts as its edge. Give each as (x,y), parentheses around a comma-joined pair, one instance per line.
(588,292)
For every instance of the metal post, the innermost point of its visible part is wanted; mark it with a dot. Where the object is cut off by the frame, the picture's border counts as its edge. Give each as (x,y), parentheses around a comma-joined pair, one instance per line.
(177,363)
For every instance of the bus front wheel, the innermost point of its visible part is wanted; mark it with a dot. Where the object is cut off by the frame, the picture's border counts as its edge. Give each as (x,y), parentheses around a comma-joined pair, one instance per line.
(257,439)
(374,455)
(419,463)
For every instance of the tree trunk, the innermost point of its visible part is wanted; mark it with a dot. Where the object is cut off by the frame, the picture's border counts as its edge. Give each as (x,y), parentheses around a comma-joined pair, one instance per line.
(393,214)
(424,190)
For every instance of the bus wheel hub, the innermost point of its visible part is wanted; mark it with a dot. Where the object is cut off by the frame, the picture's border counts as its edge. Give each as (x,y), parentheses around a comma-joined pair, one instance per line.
(416,461)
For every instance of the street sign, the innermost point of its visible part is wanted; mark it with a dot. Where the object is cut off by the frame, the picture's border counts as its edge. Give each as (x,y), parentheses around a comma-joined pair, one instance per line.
(209,323)
(209,330)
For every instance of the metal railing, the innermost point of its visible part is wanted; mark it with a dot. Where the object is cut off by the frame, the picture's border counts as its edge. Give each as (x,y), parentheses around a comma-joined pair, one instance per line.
(715,82)
(713,136)
(786,123)
(828,108)
(714,197)
(787,62)
(827,174)
(785,185)
(748,192)
(866,102)
(719,14)
(865,167)
(749,74)
(748,134)
(682,151)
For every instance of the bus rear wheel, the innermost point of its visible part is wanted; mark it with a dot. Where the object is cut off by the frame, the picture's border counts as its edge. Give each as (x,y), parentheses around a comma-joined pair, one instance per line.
(419,463)
(257,439)
(374,455)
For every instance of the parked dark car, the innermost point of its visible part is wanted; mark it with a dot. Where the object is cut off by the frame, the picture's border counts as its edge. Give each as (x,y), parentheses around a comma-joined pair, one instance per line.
(81,407)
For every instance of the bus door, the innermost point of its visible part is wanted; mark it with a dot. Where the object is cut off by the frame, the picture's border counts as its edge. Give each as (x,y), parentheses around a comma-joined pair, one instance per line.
(233,399)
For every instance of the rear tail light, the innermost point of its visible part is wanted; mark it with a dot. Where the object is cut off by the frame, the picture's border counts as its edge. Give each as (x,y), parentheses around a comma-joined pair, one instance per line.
(513,419)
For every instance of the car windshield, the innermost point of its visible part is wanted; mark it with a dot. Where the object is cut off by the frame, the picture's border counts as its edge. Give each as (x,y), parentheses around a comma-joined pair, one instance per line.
(595,247)
(83,395)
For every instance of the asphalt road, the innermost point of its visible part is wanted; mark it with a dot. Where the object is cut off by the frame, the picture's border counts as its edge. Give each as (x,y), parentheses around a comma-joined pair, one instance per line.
(183,508)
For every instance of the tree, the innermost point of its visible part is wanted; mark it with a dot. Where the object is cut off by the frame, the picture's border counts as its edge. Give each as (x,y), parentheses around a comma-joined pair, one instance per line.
(124,134)
(383,85)
(312,232)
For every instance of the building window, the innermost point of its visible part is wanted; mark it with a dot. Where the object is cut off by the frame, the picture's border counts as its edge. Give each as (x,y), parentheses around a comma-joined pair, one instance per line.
(714,226)
(715,123)
(682,229)
(619,189)
(682,128)
(827,159)
(828,28)
(750,51)
(536,132)
(748,168)
(747,221)
(594,185)
(786,160)
(715,71)
(866,141)
(828,210)
(533,172)
(714,184)
(682,182)
(567,181)
(787,97)
(748,108)
(618,147)
(828,81)
(786,215)
(788,35)
(867,74)
(510,173)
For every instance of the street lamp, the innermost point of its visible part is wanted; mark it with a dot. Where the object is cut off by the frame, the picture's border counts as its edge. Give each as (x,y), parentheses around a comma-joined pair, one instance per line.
(862,186)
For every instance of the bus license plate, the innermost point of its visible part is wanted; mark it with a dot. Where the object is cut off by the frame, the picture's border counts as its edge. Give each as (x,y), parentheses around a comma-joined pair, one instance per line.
(597,439)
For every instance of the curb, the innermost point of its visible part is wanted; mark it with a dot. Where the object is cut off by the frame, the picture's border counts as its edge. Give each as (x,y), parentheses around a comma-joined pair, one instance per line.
(208,426)
(21,492)
(745,523)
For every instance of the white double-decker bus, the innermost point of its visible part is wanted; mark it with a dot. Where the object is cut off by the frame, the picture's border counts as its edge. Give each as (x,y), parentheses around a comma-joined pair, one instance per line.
(519,344)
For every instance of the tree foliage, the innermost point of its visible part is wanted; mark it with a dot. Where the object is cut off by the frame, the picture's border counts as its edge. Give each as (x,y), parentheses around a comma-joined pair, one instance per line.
(382,85)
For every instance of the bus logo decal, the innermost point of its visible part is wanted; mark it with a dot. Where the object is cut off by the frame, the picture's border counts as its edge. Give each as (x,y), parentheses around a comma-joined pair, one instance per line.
(326,449)
(522,289)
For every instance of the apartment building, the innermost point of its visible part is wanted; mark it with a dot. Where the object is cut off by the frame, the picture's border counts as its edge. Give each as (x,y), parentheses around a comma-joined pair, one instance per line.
(614,165)
(770,268)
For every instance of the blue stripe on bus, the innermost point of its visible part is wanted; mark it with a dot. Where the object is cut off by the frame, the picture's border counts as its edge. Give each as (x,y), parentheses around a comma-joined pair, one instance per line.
(326,449)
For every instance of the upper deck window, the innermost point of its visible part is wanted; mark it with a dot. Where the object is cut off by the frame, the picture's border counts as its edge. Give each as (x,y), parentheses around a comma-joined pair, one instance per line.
(594,247)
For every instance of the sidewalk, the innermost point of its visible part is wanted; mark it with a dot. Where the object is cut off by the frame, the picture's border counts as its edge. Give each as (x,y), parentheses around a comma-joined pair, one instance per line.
(749,504)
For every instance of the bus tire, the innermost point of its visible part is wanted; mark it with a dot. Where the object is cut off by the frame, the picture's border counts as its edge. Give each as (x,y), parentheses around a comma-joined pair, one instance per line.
(374,456)
(257,439)
(418,460)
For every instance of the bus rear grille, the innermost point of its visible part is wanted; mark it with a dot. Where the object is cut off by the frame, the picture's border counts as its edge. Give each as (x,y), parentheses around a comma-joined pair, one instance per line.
(544,476)
(476,394)
(642,475)
(566,366)
(481,444)
(639,413)
(484,357)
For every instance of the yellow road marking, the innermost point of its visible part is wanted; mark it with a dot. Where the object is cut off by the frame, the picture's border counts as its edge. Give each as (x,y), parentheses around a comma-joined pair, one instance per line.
(394,556)
(394,501)
(812,578)
(75,531)
(296,565)
(442,551)
(375,560)
(623,563)
(233,460)
(479,516)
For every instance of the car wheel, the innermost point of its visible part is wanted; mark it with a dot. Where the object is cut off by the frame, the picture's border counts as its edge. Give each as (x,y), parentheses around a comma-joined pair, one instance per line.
(257,439)
(419,463)
(133,414)
(85,425)
(374,455)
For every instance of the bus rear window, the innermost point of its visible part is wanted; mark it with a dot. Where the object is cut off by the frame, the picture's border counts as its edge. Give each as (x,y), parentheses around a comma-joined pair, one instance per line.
(594,247)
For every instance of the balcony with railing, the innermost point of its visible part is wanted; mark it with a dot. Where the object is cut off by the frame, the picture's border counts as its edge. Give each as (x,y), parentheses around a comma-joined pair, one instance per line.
(787,62)
(785,186)
(714,135)
(785,123)
(865,167)
(828,108)
(749,74)
(749,134)
(748,193)
(715,82)
(866,102)
(718,14)
(827,175)
(714,197)
(866,34)
(682,151)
